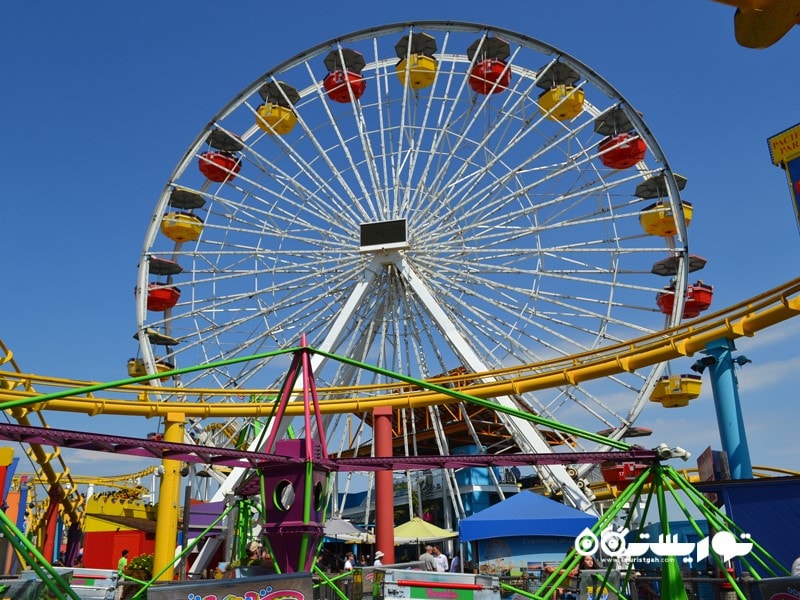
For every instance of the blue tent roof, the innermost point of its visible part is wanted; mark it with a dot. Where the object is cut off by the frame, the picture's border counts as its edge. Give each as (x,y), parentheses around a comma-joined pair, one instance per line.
(525,513)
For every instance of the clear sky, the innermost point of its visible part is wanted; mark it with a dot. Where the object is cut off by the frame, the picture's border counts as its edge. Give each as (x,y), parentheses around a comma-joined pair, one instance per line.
(100,100)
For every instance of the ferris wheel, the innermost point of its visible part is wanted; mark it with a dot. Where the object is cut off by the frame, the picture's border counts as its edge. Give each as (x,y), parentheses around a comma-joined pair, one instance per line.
(432,198)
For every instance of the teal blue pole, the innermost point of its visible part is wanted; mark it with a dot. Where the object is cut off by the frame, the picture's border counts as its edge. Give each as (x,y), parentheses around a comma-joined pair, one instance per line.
(729,412)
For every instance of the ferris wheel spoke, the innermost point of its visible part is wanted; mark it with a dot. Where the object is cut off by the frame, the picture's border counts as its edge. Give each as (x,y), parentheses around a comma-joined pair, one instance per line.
(560,301)
(333,125)
(461,137)
(552,145)
(416,137)
(468,181)
(302,198)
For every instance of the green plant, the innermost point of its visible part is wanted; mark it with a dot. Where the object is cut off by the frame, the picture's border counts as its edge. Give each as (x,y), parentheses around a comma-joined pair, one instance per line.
(140,565)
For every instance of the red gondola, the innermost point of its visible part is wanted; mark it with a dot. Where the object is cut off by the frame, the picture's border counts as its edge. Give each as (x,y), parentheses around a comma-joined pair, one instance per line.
(622,151)
(161,297)
(489,76)
(621,475)
(339,84)
(219,166)
(698,299)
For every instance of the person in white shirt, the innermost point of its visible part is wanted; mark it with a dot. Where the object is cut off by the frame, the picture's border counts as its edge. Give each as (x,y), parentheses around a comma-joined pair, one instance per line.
(349,561)
(378,557)
(441,559)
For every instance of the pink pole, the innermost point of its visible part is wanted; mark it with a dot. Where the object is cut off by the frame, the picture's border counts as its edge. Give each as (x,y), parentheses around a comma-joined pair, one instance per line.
(384,487)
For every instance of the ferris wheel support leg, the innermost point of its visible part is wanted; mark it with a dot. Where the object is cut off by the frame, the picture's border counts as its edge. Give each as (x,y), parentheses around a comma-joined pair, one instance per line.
(384,488)
(526,435)
(729,411)
(168,503)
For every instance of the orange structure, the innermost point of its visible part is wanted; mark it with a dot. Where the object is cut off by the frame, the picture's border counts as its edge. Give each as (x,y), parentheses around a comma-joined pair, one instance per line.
(761,23)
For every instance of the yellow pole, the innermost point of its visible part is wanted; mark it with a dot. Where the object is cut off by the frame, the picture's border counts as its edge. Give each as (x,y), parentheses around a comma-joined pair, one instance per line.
(168,502)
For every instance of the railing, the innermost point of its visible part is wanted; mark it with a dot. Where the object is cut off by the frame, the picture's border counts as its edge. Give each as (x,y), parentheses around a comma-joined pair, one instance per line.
(649,588)
(697,588)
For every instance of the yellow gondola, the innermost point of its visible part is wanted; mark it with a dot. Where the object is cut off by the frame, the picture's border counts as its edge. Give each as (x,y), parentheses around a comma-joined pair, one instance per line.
(565,102)
(274,118)
(420,70)
(181,227)
(658,219)
(674,391)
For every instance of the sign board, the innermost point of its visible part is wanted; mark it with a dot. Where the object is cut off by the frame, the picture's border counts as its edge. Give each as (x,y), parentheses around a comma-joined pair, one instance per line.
(434,585)
(779,588)
(785,145)
(294,586)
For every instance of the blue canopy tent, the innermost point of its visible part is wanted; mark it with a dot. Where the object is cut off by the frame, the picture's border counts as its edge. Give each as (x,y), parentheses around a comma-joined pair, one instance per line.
(525,514)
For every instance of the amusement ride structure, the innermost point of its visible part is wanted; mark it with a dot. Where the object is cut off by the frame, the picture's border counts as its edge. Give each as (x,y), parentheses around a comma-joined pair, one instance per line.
(436,199)
(479,216)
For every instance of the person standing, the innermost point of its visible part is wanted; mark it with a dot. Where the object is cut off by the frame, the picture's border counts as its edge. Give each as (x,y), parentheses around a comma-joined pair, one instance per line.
(349,560)
(441,559)
(378,557)
(427,559)
(455,564)
(123,561)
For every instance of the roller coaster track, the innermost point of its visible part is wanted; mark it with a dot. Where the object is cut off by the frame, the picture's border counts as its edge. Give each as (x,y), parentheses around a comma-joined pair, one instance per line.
(133,397)
(72,502)
(122,482)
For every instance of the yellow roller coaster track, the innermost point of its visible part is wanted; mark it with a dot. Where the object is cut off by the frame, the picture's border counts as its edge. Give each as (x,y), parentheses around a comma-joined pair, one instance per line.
(126,481)
(72,502)
(743,319)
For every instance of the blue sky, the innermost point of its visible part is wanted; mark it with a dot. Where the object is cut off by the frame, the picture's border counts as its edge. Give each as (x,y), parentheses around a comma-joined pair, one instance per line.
(101,100)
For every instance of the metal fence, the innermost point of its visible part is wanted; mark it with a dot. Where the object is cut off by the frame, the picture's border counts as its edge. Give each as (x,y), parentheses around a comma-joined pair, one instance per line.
(649,588)
(358,585)
(697,588)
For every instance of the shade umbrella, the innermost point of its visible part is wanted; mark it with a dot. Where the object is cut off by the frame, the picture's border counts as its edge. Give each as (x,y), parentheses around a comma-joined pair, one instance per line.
(353,61)
(490,47)
(656,186)
(558,73)
(418,531)
(340,529)
(421,43)
(613,122)
(669,266)
(279,93)
(222,140)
